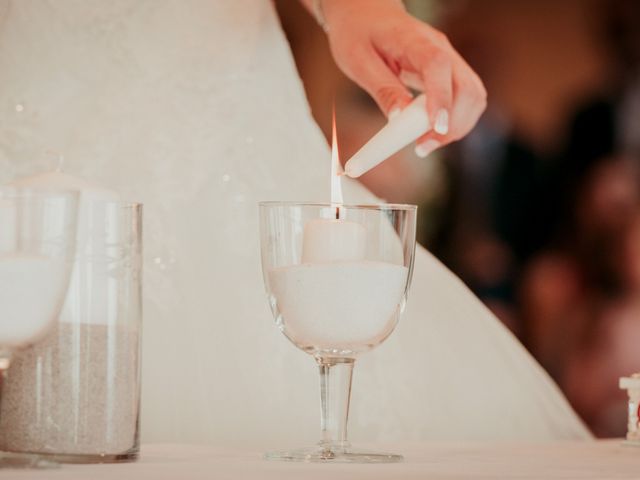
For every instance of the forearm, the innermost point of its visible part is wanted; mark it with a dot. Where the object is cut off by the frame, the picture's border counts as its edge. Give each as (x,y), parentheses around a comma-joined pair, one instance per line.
(324,10)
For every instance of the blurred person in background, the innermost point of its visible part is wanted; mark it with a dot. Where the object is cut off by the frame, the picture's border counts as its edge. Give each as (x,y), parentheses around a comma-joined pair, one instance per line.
(609,121)
(581,297)
(582,303)
(539,61)
(543,197)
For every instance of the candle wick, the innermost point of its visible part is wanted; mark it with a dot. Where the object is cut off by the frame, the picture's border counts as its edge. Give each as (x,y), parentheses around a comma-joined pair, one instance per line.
(336,167)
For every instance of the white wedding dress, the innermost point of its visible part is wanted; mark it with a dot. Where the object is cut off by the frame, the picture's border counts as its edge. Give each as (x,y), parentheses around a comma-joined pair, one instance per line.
(195,108)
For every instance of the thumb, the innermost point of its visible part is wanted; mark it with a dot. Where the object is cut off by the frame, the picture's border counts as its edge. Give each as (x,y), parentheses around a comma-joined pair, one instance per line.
(382,84)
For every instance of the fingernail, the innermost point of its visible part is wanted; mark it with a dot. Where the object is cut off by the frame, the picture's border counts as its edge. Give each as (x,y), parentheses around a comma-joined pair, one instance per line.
(394,113)
(424,149)
(442,122)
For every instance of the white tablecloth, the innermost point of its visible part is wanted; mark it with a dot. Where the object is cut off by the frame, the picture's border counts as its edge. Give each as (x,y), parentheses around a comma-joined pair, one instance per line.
(602,460)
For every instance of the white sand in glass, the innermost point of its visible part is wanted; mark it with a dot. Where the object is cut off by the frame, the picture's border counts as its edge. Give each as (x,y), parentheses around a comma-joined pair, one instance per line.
(338,306)
(86,405)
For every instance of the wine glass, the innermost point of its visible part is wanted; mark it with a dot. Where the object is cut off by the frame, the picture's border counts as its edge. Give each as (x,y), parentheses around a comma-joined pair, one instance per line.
(37,247)
(337,278)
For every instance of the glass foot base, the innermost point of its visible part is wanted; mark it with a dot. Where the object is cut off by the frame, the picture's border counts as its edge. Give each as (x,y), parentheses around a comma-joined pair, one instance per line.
(80,458)
(320,454)
(25,460)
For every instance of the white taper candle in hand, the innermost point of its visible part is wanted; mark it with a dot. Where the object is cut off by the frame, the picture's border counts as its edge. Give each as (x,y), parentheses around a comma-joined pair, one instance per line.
(406,127)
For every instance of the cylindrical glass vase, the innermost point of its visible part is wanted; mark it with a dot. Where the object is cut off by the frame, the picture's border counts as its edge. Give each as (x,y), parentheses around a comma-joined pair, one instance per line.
(75,395)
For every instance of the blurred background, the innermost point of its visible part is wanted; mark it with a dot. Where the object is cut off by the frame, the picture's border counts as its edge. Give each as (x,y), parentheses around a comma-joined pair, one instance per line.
(538,209)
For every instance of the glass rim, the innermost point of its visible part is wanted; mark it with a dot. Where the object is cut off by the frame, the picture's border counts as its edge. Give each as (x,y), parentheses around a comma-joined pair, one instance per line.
(125,204)
(361,206)
(14,191)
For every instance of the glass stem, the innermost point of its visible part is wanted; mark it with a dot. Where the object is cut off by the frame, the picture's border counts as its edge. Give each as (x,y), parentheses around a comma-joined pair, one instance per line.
(5,361)
(335,393)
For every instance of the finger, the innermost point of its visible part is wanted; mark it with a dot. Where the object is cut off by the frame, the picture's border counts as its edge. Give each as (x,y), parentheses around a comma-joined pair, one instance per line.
(464,115)
(438,85)
(468,105)
(382,84)
(412,80)
(427,145)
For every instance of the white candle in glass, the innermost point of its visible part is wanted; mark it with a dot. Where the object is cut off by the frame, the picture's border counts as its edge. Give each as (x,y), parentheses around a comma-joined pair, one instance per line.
(334,239)
(91,294)
(327,240)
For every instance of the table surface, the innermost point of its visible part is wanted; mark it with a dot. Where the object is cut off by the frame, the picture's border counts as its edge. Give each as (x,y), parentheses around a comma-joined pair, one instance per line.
(599,459)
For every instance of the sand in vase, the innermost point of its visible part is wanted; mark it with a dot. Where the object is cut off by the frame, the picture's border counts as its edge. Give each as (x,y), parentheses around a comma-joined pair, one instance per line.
(76,393)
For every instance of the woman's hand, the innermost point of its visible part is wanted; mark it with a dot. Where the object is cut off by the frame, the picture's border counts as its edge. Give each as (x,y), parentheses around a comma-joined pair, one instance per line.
(384,49)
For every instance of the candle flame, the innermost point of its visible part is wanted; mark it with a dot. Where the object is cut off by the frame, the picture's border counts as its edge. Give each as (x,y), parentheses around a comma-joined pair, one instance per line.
(336,168)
